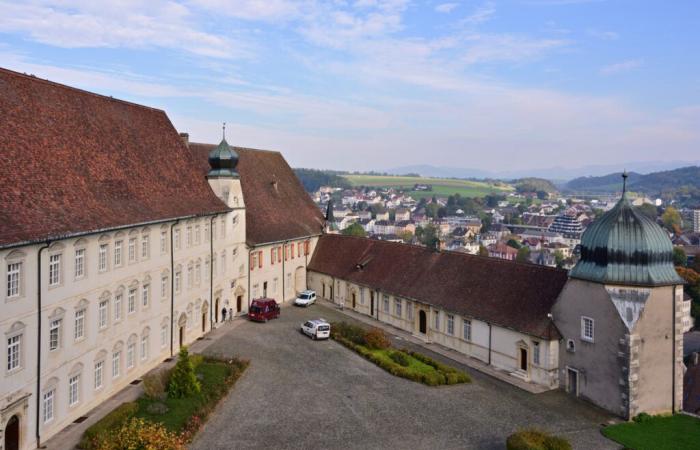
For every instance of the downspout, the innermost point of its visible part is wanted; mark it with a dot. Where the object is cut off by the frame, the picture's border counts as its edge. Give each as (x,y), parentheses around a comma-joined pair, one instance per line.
(248,279)
(489,344)
(284,258)
(172,285)
(673,367)
(211,273)
(38,344)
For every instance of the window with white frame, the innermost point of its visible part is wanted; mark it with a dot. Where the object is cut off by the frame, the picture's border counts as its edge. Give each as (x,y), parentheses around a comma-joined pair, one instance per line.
(102,310)
(206,269)
(163,242)
(118,306)
(587,331)
(79,271)
(178,282)
(409,310)
(206,232)
(144,346)
(116,364)
(189,237)
(177,239)
(131,301)
(197,235)
(362,296)
(213,230)
(118,245)
(190,271)
(163,336)
(467,329)
(130,355)
(102,258)
(386,303)
(55,269)
(74,390)
(397,307)
(223,227)
(145,295)
(55,334)
(450,324)
(536,352)
(48,405)
(197,274)
(79,328)
(275,282)
(437,320)
(14,352)
(99,374)
(145,246)
(163,286)
(14,277)
(132,250)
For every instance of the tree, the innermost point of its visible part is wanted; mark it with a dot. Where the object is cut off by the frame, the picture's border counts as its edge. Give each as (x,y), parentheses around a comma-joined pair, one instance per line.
(523,254)
(679,257)
(406,236)
(355,229)
(486,223)
(513,243)
(429,236)
(672,219)
(431,210)
(183,381)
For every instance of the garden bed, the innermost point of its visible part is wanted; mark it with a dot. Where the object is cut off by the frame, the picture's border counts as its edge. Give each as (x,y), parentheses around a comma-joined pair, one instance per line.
(172,419)
(375,346)
(669,432)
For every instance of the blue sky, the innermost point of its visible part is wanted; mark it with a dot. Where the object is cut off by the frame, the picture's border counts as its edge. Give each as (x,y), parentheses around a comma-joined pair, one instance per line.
(375,84)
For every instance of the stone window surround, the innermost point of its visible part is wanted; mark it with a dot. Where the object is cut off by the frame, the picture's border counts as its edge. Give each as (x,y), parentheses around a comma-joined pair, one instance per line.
(13,257)
(17,329)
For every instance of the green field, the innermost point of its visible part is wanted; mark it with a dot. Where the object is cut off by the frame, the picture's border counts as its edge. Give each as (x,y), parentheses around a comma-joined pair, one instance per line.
(442,187)
(677,432)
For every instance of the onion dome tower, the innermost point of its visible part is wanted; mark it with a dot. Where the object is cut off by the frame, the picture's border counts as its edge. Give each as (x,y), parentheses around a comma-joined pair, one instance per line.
(223,160)
(625,247)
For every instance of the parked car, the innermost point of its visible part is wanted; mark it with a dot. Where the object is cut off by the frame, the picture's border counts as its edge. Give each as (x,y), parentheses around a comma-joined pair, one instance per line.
(263,309)
(316,329)
(305,298)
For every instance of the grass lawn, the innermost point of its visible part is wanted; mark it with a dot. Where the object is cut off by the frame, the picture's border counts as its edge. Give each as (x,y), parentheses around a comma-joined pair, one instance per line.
(677,432)
(180,409)
(414,365)
(442,187)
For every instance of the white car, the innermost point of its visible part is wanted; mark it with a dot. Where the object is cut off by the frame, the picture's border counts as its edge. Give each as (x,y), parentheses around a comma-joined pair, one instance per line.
(317,329)
(306,298)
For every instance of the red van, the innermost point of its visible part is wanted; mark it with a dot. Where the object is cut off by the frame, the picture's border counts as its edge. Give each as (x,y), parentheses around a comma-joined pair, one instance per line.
(263,309)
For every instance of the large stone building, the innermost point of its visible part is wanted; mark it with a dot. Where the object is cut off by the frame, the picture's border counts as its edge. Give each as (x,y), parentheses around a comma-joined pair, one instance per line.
(118,246)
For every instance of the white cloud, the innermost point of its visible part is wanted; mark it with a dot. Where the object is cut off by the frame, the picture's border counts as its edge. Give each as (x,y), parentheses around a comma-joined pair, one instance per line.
(506,47)
(446,7)
(622,66)
(480,14)
(604,35)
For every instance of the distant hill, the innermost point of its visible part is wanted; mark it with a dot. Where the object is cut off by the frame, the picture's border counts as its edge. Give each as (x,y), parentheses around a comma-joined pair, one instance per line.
(313,179)
(534,185)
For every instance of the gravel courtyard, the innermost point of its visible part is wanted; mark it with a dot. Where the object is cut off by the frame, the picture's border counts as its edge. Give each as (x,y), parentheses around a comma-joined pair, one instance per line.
(299,393)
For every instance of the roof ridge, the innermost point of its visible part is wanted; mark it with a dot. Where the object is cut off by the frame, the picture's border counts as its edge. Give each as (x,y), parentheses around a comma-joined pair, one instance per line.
(235,147)
(33,77)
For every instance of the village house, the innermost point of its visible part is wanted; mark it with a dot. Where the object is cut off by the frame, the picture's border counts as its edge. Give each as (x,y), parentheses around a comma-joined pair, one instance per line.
(502,251)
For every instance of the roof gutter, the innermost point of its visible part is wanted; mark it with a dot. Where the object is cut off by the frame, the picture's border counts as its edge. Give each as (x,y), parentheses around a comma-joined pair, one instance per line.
(260,244)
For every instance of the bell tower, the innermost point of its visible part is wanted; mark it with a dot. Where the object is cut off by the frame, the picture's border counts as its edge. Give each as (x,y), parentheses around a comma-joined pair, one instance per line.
(223,176)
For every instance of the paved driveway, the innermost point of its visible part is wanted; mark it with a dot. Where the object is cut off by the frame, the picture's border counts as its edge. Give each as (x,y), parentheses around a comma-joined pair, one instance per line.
(299,393)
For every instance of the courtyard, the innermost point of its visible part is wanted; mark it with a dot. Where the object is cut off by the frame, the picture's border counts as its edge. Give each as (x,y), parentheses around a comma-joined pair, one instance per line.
(299,393)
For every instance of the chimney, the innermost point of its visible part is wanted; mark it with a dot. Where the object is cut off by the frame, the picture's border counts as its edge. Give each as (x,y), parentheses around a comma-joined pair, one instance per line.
(185,138)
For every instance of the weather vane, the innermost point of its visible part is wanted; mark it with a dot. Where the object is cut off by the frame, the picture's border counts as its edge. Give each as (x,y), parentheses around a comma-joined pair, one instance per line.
(224,130)
(624,181)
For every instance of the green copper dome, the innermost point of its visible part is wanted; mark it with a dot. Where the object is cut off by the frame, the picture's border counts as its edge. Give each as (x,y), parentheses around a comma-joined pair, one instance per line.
(223,161)
(628,248)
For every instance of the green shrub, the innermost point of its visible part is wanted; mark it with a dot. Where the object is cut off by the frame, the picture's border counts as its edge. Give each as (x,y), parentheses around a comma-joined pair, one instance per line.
(642,417)
(155,384)
(109,422)
(196,360)
(353,333)
(376,339)
(400,358)
(183,381)
(140,434)
(534,439)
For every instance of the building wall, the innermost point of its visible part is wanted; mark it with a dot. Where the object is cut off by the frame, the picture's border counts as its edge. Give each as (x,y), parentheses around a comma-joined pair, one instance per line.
(505,344)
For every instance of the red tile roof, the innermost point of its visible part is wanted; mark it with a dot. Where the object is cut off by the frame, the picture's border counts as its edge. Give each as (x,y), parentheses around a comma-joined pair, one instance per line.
(504,293)
(73,162)
(277,206)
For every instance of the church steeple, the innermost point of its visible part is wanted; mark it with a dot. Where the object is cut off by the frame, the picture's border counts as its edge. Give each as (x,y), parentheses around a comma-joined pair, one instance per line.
(223,160)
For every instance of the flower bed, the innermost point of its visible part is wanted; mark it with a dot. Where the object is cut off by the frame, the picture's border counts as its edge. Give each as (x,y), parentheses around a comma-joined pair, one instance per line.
(401,363)
(177,418)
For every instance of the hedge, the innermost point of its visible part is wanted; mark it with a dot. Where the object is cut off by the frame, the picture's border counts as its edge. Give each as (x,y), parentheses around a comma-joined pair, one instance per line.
(111,421)
(534,439)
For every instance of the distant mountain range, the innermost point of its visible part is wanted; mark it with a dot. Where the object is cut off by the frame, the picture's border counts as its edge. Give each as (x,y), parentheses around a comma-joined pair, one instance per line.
(682,181)
(556,174)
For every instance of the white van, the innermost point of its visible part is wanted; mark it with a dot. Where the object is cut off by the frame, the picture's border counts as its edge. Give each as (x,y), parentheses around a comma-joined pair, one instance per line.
(317,329)
(305,298)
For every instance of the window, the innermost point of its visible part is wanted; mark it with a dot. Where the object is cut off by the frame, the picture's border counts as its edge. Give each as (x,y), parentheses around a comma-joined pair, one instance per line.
(189,277)
(189,237)
(163,242)
(118,306)
(467,329)
(163,286)
(48,405)
(197,274)
(570,346)
(213,230)
(132,250)
(587,329)
(206,270)
(102,259)
(79,329)
(362,296)
(275,281)
(206,232)
(272,256)
(145,294)
(54,270)
(437,320)
(176,238)
(102,313)
(409,310)
(178,282)
(253,260)
(14,272)
(223,227)
(397,307)
(130,355)
(145,247)
(116,364)
(197,235)
(74,390)
(144,347)
(14,349)
(536,353)
(118,253)
(223,263)
(163,336)
(54,334)
(131,301)
(99,366)
(450,324)
(79,263)
(386,303)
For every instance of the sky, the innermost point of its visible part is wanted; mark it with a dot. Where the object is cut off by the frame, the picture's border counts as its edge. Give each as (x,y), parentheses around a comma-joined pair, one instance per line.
(376,84)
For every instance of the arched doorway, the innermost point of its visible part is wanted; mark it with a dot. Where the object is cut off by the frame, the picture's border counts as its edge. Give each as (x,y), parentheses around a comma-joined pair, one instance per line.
(523,359)
(239,303)
(422,321)
(12,434)
(182,323)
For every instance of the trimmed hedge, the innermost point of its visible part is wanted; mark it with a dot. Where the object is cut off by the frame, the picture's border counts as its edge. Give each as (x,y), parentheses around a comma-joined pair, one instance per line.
(111,421)
(534,439)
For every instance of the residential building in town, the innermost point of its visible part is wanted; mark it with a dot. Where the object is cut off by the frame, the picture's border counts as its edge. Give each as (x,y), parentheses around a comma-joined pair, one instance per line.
(696,221)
